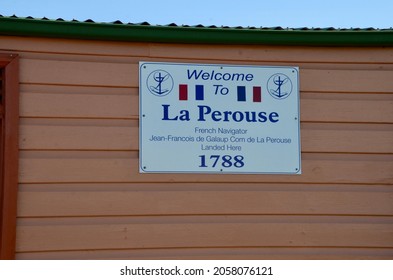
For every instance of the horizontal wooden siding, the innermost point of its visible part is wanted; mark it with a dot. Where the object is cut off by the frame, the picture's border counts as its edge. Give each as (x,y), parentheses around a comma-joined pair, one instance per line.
(81,195)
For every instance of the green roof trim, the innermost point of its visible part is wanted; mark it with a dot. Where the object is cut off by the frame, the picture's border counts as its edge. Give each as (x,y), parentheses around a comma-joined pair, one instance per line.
(90,30)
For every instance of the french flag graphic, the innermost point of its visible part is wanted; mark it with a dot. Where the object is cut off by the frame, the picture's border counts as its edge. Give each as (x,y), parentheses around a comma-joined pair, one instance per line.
(256,94)
(199,92)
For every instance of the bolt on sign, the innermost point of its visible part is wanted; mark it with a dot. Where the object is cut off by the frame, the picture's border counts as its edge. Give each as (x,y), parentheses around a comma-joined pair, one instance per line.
(205,118)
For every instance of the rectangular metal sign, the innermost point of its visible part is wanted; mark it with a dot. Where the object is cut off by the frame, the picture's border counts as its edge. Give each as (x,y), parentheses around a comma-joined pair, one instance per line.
(204,118)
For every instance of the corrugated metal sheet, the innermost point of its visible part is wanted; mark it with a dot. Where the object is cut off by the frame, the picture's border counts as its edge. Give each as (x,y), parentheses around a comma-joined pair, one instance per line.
(145,23)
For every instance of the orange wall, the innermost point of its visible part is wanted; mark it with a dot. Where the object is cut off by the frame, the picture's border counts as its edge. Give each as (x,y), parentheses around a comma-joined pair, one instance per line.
(81,194)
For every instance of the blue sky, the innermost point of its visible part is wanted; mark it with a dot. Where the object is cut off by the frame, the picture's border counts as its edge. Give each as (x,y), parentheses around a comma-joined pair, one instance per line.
(285,13)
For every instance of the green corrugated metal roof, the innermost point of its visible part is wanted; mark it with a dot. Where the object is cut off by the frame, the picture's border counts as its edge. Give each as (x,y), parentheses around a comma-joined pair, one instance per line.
(172,33)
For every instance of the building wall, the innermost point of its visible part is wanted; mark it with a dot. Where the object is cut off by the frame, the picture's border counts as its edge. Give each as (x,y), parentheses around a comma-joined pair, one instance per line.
(81,195)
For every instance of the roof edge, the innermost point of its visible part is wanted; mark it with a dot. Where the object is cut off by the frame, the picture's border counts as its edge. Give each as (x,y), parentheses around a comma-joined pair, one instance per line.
(15,26)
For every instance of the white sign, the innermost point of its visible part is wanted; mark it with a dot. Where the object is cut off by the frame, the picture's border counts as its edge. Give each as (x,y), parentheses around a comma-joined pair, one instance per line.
(203,118)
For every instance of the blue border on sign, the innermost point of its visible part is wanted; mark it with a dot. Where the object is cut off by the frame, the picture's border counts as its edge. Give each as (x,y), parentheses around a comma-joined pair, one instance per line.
(142,170)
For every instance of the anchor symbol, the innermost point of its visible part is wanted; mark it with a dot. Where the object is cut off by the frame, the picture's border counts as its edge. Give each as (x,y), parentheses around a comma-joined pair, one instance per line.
(279,83)
(279,86)
(159,78)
